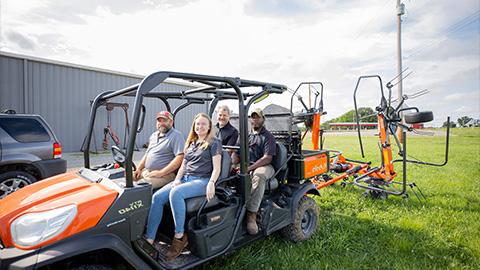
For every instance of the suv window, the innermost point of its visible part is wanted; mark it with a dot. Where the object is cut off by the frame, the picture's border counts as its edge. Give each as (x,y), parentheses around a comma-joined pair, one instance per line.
(24,129)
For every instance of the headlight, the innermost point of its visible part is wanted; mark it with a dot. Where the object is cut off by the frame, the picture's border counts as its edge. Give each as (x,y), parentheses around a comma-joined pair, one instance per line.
(35,228)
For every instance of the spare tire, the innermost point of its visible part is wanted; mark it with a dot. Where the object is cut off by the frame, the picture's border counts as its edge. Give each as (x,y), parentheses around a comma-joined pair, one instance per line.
(418,117)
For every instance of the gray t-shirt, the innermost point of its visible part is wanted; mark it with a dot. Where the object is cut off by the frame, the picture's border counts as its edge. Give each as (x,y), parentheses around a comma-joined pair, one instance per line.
(199,162)
(162,150)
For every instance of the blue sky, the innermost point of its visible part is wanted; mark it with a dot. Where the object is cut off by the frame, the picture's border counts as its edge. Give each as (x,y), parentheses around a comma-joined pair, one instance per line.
(272,40)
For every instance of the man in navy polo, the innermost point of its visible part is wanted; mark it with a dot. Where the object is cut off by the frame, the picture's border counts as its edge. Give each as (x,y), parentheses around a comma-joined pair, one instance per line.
(262,147)
(164,154)
(227,133)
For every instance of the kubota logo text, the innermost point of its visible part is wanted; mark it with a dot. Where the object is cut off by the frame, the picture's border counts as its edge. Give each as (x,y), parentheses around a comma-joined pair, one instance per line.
(133,206)
(320,167)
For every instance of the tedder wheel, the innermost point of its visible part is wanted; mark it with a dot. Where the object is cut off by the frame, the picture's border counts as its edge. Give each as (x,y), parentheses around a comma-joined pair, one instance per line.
(418,117)
(13,181)
(304,222)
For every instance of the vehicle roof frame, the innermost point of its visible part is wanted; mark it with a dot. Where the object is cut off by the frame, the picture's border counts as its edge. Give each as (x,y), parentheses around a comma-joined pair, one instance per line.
(215,85)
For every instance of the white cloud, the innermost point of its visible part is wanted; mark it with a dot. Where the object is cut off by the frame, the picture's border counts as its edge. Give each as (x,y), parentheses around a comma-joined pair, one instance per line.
(279,41)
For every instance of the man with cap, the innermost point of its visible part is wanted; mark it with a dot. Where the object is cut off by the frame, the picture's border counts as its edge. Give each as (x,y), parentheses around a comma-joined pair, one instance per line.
(227,133)
(164,153)
(262,147)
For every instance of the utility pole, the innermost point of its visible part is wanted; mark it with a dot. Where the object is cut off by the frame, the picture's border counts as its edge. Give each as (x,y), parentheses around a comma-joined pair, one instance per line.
(400,12)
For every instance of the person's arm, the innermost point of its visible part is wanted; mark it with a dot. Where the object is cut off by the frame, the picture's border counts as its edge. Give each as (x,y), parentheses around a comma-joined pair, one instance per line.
(170,168)
(217,163)
(263,161)
(138,172)
(232,141)
(235,157)
(269,148)
(179,176)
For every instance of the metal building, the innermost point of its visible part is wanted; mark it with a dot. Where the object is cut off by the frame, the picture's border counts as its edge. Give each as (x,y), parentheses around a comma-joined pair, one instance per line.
(61,93)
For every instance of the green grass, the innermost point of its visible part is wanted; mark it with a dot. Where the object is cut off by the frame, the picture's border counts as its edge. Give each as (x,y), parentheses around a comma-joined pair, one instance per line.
(362,233)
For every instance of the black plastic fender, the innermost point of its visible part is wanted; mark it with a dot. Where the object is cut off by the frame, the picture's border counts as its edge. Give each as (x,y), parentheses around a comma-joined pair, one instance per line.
(80,245)
(307,188)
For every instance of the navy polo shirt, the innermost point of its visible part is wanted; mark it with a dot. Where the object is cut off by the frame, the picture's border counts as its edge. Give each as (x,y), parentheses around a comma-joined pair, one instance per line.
(228,134)
(261,143)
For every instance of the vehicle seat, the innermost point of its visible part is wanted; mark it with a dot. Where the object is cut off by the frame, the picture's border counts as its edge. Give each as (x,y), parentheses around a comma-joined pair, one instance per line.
(279,159)
(193,204)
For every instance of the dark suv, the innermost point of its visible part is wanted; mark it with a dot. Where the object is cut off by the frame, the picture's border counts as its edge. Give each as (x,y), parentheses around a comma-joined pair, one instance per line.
(29,151)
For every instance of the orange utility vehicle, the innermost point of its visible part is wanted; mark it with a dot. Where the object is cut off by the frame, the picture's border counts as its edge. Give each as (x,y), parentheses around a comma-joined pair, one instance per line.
(95,218)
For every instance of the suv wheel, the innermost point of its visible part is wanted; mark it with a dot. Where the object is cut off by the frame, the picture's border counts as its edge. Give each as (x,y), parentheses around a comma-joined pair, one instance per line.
(14,180)
(304,222)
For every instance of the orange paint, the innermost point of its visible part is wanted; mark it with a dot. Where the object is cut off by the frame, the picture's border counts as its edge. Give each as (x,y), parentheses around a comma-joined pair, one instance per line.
(92,201)
(316,130)
(315,165)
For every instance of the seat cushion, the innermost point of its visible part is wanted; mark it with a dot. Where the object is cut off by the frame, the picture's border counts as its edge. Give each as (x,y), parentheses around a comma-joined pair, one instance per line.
(193,204)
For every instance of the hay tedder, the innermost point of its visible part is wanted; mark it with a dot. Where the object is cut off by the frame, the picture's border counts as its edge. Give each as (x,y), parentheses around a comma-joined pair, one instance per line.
(332,166)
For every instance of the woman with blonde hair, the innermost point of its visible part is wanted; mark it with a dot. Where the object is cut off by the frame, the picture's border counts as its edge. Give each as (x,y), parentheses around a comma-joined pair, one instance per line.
(196,177)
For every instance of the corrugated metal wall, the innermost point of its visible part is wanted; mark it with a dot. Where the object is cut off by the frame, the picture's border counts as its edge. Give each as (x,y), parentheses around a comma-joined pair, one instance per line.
(61,94)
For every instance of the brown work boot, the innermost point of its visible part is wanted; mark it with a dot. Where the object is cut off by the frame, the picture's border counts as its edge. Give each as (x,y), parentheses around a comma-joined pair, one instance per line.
(177,247)
(252,227)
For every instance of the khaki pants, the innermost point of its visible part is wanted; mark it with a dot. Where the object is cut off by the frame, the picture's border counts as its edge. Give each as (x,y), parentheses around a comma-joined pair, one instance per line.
(259,177)
(158,182)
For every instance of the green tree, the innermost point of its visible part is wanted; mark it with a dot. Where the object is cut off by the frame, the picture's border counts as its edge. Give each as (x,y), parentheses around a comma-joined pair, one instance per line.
(462,121)
(365,114)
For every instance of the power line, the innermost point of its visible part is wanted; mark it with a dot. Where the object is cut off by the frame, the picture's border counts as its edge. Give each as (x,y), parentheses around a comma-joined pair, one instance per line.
(450,30)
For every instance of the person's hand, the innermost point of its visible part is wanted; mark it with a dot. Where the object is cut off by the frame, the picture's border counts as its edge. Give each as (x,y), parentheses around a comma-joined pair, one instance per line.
(236,170)
(137,174)
(210,190)
(176,182)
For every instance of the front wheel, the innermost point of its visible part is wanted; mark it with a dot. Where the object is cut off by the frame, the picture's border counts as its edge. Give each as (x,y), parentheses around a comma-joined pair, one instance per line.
(305,221)
(13,181)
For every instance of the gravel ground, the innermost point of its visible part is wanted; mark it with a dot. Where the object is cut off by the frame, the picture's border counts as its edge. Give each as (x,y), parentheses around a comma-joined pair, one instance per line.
(75,159)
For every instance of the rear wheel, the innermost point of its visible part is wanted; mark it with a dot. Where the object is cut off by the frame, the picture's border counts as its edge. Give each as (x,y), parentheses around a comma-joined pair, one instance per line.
(305,221)
(13,181)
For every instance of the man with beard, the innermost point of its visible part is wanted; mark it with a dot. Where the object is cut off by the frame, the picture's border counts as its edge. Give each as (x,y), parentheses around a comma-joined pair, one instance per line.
(164,154)
(227,133)
(262,149)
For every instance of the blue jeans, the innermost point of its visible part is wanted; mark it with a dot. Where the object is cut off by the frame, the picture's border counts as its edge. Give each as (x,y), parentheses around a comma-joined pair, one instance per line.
(192,186)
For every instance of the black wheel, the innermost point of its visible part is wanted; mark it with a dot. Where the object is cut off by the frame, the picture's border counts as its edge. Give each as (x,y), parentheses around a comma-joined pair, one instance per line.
(13,181)
(378,194)
(304,222)
(418,117)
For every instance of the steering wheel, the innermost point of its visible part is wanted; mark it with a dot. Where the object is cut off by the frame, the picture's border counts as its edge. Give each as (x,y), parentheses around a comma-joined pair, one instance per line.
(119,157)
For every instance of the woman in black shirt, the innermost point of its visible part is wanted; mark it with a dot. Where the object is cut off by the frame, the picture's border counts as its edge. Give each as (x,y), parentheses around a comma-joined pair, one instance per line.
(197,175)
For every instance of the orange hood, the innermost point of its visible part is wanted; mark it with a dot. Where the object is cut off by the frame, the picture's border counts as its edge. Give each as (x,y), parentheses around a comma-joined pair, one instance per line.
(92,201)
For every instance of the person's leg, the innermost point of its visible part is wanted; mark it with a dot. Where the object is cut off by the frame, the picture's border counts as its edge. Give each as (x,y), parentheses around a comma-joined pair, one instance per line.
(158,182)
(259,177)
(189,189)
(159,199)
(178,195)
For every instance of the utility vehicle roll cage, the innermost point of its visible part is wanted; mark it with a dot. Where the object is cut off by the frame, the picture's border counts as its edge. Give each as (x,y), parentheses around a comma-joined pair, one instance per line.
(220,87)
